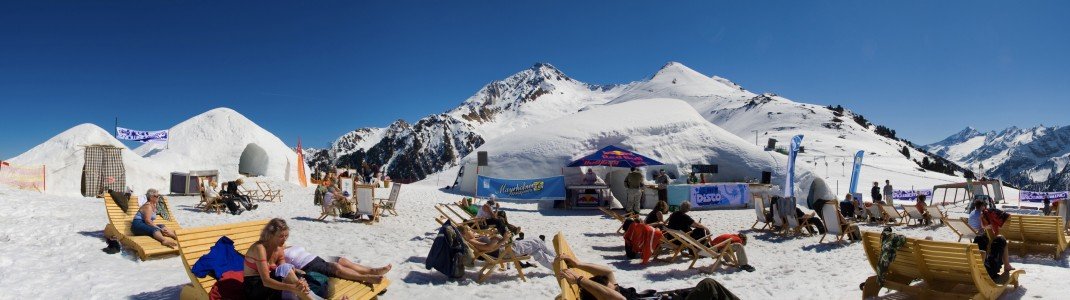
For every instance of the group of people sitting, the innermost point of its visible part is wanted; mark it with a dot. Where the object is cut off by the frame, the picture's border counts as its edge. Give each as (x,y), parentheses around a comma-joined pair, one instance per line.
(680,220)
(851,208)
(334,198)
(232,198)
(489,216)
(272,268)
(814,223)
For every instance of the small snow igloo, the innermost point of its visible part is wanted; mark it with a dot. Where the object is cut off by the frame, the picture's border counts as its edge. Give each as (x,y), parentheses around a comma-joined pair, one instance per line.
(253,161)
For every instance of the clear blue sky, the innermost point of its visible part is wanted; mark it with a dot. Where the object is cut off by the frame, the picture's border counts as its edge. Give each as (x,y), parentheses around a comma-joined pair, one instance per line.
(317,69)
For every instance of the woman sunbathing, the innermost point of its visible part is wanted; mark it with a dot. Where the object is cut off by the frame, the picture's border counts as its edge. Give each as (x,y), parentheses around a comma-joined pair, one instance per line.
(144,223)
(491,245)
(266,273)
(343,268)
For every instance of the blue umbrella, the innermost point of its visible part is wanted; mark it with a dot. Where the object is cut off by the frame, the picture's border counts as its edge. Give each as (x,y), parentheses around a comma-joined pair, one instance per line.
(612,156)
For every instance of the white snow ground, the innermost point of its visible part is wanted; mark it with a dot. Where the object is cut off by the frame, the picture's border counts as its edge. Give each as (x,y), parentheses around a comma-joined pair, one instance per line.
(51,250)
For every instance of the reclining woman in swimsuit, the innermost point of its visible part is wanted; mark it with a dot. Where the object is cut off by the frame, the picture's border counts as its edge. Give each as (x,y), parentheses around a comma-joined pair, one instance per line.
(602,285)
(492,244)
(343,268)
(266,273)
(144,223)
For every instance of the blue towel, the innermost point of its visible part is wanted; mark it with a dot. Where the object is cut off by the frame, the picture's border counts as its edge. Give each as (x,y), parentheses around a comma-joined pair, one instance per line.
(220,259)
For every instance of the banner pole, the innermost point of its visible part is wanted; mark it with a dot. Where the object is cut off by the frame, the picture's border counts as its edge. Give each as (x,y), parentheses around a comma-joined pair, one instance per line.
(44,179)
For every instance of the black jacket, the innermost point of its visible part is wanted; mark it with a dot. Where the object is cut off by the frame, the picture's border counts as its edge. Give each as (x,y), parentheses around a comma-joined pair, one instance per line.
(876,193)
(447,252)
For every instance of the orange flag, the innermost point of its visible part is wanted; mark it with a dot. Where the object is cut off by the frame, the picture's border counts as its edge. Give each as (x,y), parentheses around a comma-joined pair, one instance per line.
(301,165)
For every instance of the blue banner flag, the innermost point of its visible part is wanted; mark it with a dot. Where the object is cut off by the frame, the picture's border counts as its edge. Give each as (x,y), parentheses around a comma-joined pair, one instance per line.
(550,188)
(140,136)
(855,169)
(789,182)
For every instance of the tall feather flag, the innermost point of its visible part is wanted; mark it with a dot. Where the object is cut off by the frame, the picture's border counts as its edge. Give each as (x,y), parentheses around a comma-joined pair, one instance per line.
(301,177)
(789,184)
(856,168)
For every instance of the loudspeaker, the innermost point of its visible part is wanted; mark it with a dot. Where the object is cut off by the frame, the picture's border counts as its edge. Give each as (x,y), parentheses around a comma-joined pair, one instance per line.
(771,144)
(767,177)
(481,158)
(802,149)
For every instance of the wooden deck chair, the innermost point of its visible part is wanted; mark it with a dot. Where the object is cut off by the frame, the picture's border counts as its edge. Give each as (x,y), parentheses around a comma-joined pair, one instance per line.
(492,263)
(875,213)
(196,242)
(364,195)
(891,213)
(1064,212)
(447,213)
(337,206)
(209,204)
(619,217)
(947,270)
(961,228)
(119,228)
(799,225)
(1027,231)
(913,214)
(935,213)
(569,291)
(835,224)
(251,193)
(388,204)
(269,193)
(669,244)
(759,211)
(699,250)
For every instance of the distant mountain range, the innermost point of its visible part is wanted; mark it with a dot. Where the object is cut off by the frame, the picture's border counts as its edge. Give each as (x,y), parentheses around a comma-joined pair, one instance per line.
(1030,158)
(543,93)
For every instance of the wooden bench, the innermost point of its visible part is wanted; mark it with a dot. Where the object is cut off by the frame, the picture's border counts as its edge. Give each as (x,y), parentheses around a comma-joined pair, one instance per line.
(196,242)
(1025,231)
(947,270)
(119,228)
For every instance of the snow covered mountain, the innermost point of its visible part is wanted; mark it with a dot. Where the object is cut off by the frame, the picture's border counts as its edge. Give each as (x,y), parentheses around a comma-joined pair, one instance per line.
(1031,158)
(543,93)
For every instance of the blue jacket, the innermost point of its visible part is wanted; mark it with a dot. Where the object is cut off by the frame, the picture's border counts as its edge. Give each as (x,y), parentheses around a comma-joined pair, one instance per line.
(447,252)
(220,259)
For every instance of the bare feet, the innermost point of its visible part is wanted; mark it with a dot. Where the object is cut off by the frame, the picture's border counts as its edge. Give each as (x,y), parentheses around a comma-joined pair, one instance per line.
(169,243)
(373,279)
(383,270)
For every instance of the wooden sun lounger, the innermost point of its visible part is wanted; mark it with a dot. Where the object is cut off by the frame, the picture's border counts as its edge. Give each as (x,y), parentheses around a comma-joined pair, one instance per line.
(1024,231)
(252,194)
(269,193)
(911,213)
(209,204)
(620,218)
(935,213)
(961,228)
(119,227)
(388,204)
(835,224)
(569,291)
(759,211)
(891,213)
(196,242)
(699,250)
(493,263)
(947,270)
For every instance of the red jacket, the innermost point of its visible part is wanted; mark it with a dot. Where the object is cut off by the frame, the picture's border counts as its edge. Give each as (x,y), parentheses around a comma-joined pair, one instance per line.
(721,238)
(643,239)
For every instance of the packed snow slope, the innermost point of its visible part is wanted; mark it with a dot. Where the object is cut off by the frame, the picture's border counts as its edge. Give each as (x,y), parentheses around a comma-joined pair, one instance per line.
(225,140)
(62,259)
(831,137)
(543,93)
(1032,158)
(63,156)
(667,130)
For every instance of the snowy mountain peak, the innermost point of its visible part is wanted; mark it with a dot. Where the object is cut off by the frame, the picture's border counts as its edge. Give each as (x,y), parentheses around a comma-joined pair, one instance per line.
(675,72)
